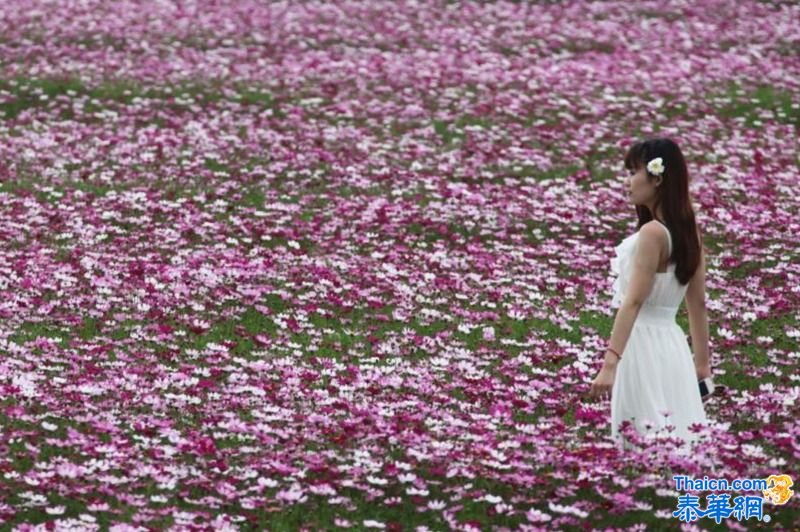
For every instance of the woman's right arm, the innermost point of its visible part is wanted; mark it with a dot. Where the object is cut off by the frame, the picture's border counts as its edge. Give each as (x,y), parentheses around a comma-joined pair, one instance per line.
(698,316)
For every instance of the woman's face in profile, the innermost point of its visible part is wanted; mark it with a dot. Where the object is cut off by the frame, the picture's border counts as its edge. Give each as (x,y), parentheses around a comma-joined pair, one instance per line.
(640,191)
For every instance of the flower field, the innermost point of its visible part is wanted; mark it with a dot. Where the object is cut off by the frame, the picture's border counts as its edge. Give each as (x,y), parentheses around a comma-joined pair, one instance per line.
(345,265)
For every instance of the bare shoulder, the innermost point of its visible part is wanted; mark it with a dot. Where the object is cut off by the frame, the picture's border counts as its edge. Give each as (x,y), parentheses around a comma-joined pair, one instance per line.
(651,238)
(652,230)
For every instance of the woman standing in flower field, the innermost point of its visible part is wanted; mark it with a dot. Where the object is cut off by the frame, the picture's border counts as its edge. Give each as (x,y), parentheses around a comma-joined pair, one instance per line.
(648,368)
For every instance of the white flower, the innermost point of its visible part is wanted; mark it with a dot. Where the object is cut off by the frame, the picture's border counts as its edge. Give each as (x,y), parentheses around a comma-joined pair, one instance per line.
(437,505)
(656,166)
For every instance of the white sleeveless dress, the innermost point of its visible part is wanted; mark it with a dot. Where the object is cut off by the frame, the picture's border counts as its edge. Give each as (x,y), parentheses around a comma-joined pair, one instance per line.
(656,383)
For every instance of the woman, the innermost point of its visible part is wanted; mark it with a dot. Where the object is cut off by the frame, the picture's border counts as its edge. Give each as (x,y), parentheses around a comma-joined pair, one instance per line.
(648,368)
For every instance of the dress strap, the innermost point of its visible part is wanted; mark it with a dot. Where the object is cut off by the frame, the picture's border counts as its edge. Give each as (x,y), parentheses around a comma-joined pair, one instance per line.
(669,236)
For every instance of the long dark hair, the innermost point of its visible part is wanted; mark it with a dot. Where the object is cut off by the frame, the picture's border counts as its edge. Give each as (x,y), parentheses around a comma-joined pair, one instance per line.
(673,197)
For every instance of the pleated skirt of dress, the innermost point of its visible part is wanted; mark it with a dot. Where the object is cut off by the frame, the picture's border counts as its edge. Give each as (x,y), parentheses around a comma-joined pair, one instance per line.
(656,383)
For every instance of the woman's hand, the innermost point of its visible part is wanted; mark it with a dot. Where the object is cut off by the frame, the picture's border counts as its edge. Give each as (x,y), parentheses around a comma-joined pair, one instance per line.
(602,384)
(703,371)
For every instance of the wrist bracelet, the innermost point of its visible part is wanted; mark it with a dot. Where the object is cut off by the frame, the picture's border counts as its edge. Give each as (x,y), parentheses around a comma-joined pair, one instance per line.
(618,355)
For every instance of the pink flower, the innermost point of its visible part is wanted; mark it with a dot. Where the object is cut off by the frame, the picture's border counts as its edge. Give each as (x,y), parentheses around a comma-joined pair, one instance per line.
(535,516)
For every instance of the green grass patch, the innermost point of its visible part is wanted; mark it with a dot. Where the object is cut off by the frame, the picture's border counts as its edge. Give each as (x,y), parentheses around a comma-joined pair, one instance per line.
(30,331)
(759,104)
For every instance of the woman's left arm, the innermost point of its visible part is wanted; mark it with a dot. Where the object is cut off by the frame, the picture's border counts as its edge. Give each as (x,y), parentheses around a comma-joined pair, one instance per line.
(643,275)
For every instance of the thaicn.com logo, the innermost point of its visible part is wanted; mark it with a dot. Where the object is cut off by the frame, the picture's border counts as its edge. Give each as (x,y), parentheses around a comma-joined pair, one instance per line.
(775,488)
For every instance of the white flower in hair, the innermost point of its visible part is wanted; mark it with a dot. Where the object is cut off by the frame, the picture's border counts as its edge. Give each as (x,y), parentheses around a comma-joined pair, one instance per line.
(656,166)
